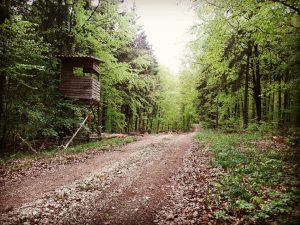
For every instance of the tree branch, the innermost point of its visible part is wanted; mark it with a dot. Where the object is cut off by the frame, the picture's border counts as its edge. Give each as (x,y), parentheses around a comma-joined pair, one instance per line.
(95,9)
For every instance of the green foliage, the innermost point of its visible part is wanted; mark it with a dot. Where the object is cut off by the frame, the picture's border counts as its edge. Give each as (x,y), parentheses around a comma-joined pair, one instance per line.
(229,33)
(31,106)
(27,157)
(29,84)
(258,183)
(293,137)
(177,98)
(169,97)
(188,99)
(221,216)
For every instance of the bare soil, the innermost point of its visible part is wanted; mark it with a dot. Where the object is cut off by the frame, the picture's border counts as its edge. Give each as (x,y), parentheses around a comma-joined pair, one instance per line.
(129,185)
(25,186)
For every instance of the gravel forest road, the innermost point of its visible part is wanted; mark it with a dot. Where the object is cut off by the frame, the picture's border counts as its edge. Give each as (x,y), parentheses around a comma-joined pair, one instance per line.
(129,185)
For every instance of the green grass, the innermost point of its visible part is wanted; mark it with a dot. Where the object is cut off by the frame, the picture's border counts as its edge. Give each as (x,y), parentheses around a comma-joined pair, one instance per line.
(28,157)
(258,184)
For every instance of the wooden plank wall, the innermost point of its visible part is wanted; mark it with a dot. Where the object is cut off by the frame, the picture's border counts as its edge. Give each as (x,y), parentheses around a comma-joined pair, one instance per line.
(84,88)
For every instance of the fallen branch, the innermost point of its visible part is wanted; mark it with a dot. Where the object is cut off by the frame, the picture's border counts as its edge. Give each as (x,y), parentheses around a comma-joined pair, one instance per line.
(26,142)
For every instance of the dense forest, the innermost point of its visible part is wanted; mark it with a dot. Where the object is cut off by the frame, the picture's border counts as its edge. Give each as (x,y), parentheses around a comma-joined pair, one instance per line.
(133,86)
(241,71)
(245,60)
(216,143)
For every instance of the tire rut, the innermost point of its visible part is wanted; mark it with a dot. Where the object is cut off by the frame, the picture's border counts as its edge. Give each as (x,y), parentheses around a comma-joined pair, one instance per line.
(18,188)
(140,202)
(118,193)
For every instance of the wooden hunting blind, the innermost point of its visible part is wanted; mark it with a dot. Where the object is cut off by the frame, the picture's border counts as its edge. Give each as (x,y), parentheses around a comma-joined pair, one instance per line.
(84,88)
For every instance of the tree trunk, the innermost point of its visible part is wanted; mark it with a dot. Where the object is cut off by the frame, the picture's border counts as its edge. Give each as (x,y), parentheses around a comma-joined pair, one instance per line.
(256,84)
(2,112)
(285,115)
(126,111)
(279,104)
(151,124)
(103,116)
(246,93)
(235,111)
(297,122)
(272,102)
(285,108)
(217,116)
(5,9)
(157,126)
(136,124)
(265,108)
(2,94)
(253,105)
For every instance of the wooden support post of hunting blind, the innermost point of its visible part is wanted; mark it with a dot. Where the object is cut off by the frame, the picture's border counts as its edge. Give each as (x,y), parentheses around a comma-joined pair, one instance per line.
(74,135)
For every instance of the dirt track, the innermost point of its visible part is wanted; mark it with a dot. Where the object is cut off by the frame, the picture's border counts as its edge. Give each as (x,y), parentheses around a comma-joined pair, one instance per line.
(128,186)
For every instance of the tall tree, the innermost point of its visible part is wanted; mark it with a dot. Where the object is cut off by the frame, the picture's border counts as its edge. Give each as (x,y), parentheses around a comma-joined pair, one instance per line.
(242,46)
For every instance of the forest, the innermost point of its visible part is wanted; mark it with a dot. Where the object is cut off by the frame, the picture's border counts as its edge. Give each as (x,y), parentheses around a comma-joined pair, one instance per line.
(217,143)
(241,70)
(132,82)
(245,60)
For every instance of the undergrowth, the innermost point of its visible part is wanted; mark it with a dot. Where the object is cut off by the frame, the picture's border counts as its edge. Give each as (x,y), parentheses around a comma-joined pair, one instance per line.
(55,151)
(258,184)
